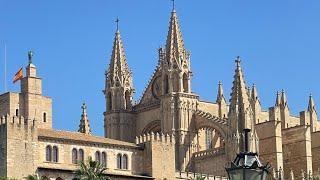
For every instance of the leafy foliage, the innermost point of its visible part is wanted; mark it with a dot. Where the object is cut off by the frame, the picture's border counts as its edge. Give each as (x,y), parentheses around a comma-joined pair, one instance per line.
(91,170)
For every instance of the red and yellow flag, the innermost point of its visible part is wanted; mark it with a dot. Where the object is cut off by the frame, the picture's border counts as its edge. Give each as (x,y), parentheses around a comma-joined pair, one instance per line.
(18,75)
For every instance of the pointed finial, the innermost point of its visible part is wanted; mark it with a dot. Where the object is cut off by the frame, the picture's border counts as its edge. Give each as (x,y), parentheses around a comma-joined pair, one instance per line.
(238,61)
(173,5)
(117,23)
(30,55)
(311,104)
(84,107)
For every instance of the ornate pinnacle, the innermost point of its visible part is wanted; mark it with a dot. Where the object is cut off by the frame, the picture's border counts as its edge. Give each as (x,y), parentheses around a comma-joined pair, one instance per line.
(238,61)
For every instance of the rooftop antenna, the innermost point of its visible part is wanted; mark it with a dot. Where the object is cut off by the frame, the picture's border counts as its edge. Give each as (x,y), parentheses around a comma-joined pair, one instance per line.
(117,22)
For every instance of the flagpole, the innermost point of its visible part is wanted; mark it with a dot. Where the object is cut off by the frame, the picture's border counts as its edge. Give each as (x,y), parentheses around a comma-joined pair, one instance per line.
(5,68)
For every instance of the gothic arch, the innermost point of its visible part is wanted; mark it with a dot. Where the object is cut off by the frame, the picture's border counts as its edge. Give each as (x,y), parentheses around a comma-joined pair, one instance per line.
(109,101)
(154,126)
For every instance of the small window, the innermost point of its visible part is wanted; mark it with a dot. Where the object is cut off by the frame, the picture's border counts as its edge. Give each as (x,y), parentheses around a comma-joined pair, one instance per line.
(55,153)
(17,112)
(48,153)
(119,161)
(74,156)
(104,159)
(81,155)
(98,157)
(125,161)
(44,117)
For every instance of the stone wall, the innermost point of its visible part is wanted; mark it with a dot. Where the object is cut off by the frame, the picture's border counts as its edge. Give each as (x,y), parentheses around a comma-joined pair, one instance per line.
(270,143)
(21,147)
(158,155)
(315,137)
(296,149)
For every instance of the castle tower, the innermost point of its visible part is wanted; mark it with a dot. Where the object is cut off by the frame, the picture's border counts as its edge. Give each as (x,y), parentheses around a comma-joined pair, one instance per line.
(84,126)
(118,93)
(240,115)
(32,104)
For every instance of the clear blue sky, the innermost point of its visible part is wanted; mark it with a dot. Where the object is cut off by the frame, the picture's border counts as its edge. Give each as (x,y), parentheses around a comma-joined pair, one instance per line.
(279,42)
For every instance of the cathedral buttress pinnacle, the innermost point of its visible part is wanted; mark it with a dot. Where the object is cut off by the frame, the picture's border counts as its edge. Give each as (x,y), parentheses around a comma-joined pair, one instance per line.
(84,126)
(241,115)
(220,96)
(240,101)
(311,104)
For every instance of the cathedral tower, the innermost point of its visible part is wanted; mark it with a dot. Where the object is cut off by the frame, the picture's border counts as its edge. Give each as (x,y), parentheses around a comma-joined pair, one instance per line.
(118,93)
(178,103)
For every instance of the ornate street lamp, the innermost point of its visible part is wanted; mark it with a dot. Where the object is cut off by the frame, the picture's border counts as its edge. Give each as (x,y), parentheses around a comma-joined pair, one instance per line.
(247,165)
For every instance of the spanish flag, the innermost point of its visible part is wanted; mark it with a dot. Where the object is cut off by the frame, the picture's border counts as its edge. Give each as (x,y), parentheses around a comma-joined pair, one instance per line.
(18,75)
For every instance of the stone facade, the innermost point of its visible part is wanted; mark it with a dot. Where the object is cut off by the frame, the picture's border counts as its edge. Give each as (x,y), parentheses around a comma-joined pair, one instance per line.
(168,134)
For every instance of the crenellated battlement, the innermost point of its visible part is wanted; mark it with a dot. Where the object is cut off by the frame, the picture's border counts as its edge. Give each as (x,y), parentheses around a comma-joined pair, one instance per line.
(9,121)
(155,137)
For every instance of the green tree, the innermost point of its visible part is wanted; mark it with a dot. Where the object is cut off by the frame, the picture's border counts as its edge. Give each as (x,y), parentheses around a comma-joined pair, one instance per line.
(91,170)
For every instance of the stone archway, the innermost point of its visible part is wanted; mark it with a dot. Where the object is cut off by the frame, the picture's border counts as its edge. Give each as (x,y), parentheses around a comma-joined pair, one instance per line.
(153,126)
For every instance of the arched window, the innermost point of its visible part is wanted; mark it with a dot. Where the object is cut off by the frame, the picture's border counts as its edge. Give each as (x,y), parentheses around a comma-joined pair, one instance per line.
(44,117)
(185,83)
(81,155)
(17,112)
(98,157)
(55,154)
(125,161)
(104,159)
(209,134)
(49,153)
(74,156)
(128,99)
(119,161)
(166,84)
(109,101)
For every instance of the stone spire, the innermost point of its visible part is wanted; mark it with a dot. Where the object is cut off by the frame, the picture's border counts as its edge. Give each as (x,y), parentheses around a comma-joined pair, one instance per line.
(311,104)
(254,93)
(220,96)
(283,100)
(119,71)
(84,126)
(278,99)
(240,101)
(175,50)
(241,115)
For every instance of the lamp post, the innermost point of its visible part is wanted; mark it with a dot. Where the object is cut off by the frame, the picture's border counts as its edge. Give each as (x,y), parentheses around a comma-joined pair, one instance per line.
(247,165)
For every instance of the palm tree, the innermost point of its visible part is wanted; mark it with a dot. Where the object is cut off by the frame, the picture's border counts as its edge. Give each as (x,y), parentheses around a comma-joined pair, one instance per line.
(91,170)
